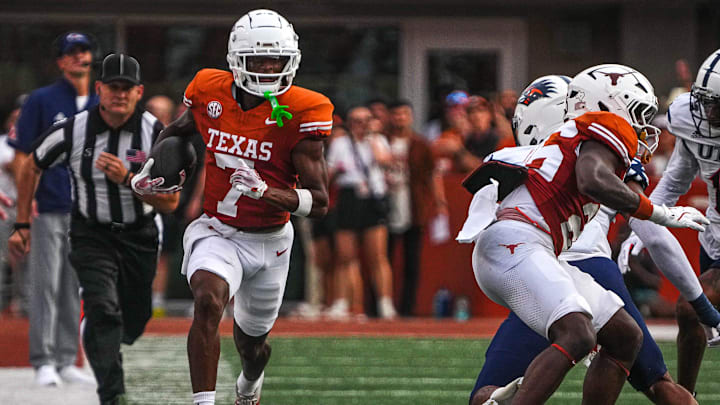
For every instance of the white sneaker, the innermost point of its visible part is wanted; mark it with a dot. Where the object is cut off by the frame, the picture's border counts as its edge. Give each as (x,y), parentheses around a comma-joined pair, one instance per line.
(47,376)
(386,309)
(338,311)
(504,395)
(253,398)
(74,375)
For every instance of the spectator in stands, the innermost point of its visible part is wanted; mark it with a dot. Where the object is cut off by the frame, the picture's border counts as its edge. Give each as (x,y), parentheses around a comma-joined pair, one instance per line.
(449,148)
(163,108)
(53,284)
(380,112)
(489,129)
(684,77)
(12,280)
(507,99)
(453,104)
(415,192)
(355,163)
(322,252)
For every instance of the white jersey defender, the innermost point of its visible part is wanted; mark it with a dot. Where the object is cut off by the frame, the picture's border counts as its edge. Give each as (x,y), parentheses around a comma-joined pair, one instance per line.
(696,153)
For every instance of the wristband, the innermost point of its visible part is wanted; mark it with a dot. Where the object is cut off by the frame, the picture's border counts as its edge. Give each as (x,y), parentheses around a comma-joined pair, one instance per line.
(305,202)
(126,178)
(644,209)
(21,225)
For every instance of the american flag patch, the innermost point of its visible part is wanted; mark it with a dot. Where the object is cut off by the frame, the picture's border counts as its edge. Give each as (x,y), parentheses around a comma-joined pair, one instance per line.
(135,156)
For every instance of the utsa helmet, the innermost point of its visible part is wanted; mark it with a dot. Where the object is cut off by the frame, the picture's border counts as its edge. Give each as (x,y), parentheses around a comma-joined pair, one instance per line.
(540,110)
(263,33)
(621,90)
(705,97)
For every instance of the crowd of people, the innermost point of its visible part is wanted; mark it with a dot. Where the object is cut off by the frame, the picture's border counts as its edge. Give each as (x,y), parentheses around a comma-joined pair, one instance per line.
(367,181)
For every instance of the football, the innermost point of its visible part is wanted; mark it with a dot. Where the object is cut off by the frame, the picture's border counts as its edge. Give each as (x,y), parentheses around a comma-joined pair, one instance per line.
(175,160)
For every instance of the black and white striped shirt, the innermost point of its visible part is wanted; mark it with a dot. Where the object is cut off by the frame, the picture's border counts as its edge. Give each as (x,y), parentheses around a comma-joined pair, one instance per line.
(78,141)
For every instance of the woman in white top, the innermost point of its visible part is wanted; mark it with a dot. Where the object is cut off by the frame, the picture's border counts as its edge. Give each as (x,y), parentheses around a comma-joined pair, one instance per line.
(354,162)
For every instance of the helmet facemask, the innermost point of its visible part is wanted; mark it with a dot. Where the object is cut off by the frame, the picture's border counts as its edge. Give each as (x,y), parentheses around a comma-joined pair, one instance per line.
(641,115)
(263,34)
(705,109)
(258,83)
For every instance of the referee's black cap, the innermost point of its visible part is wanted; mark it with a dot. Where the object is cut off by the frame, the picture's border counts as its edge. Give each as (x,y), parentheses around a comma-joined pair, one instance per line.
(119,66)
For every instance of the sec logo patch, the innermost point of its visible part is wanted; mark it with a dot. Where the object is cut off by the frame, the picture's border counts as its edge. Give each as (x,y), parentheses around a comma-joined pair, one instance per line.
(214,109)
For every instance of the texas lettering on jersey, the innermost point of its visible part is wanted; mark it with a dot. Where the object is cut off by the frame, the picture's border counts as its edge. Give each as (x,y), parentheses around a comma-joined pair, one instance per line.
(241,146)
(232,135)
(552,182)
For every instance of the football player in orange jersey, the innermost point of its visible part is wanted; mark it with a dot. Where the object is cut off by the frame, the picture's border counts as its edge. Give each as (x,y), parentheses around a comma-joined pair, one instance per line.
(262,136)
(579,166)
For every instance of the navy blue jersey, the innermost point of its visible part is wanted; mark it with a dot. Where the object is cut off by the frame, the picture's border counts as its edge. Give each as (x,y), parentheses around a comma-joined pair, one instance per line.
(44,107)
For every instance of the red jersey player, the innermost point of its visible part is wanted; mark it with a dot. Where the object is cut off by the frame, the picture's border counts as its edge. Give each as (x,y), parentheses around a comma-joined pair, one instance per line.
(608,108)
(262,135)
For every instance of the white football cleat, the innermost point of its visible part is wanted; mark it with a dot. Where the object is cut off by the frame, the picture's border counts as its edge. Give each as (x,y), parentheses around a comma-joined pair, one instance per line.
(504,395)
(74,375)
(253,398)
(47,376)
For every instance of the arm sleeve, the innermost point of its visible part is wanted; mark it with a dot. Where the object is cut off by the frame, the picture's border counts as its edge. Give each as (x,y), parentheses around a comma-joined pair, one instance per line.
(317,122)
(664,248)
(51,149)
(28,125)
(678,176)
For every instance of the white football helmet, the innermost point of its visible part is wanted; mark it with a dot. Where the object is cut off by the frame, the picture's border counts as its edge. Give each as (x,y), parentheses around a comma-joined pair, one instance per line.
(621,90)
(705,97)
(263,33)
(540,110)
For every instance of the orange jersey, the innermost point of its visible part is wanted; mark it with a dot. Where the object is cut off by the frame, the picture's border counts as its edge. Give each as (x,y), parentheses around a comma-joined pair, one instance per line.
(552,182)
(231,135)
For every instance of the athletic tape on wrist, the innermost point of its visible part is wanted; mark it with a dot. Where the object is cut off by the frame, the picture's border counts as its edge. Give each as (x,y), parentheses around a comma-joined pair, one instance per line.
(305,202)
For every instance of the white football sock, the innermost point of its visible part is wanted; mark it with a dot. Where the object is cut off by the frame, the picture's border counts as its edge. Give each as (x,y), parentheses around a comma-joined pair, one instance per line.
(204,398)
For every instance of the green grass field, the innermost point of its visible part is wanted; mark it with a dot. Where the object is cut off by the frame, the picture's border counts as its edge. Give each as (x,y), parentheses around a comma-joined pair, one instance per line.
(378,371)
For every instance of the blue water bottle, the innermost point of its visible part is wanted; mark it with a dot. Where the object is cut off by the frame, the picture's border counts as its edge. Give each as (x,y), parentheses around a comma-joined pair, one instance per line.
(442,303)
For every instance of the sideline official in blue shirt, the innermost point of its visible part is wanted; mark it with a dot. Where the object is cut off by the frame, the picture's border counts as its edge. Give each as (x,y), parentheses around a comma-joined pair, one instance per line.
(54,300)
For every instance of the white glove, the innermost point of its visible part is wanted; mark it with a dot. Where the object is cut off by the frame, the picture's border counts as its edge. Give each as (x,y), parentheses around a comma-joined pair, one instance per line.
(142,184)
(504,394)
(679,217)
(247,181)
(632,246)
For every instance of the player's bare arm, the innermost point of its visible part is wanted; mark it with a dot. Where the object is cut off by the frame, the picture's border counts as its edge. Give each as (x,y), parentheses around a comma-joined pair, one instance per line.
(595,171)
(29,177)
(183,126)
(165,203)
(309,161)
(596,179)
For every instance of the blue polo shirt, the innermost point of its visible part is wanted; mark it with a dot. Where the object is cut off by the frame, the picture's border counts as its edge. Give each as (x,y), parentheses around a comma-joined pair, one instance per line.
(42,108)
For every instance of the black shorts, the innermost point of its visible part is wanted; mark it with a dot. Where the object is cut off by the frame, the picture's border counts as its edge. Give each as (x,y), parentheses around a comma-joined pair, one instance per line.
(355,213)
(173,228)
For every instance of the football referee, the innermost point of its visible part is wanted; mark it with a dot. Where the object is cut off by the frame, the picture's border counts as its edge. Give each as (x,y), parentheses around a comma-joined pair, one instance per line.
(113,238)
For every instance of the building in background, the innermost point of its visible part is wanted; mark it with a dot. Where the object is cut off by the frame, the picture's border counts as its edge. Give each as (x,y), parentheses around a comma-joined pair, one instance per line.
(413,49)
